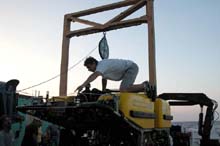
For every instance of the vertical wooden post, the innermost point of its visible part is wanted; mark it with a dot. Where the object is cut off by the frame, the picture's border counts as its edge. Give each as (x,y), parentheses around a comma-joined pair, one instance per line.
(64,58)
(151,44)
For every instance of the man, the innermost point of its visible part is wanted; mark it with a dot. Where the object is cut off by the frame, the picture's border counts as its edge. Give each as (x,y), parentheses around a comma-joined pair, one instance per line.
(6,135)
(32,135)
(113,69)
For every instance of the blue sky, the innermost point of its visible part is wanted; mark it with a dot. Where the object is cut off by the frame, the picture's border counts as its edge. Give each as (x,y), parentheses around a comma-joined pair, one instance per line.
(187,46)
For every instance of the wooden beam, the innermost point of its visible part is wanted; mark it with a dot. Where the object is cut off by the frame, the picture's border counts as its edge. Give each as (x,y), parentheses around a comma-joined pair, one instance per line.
(86,22)
(64,58)
(112,26)
(128,12)
(103,8)
(151,44)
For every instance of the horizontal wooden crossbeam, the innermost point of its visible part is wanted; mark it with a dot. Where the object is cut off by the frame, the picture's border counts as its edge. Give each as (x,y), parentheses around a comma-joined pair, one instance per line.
(86,22)
(104,8)
(111,26)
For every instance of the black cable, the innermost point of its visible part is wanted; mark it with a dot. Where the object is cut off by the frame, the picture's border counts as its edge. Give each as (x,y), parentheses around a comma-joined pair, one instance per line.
(58,74)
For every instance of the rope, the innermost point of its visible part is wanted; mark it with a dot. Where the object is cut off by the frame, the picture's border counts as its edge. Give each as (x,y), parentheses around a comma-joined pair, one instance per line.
(59,74)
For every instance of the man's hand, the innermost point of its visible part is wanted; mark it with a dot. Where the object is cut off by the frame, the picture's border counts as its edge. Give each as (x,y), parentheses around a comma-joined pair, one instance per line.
(91,78)
(79,88)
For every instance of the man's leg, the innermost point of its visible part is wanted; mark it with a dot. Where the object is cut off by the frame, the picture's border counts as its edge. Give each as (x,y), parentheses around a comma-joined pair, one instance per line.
(128,80)
(133,88)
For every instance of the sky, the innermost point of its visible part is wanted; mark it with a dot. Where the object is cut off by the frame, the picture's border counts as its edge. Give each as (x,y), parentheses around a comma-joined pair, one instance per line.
(187,37)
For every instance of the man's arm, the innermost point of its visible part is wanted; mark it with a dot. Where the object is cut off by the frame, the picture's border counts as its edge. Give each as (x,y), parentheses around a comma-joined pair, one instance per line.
(91,78)
(104,83)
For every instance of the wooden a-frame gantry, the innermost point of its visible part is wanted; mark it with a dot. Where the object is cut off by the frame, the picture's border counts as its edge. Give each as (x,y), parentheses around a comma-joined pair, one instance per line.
(115,23)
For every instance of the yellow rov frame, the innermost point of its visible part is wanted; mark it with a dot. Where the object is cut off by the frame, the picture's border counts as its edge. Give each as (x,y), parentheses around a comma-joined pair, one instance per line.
(141,110)
(137,111)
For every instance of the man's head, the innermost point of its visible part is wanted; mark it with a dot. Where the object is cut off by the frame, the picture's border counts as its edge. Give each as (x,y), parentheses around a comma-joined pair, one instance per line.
(91,64)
